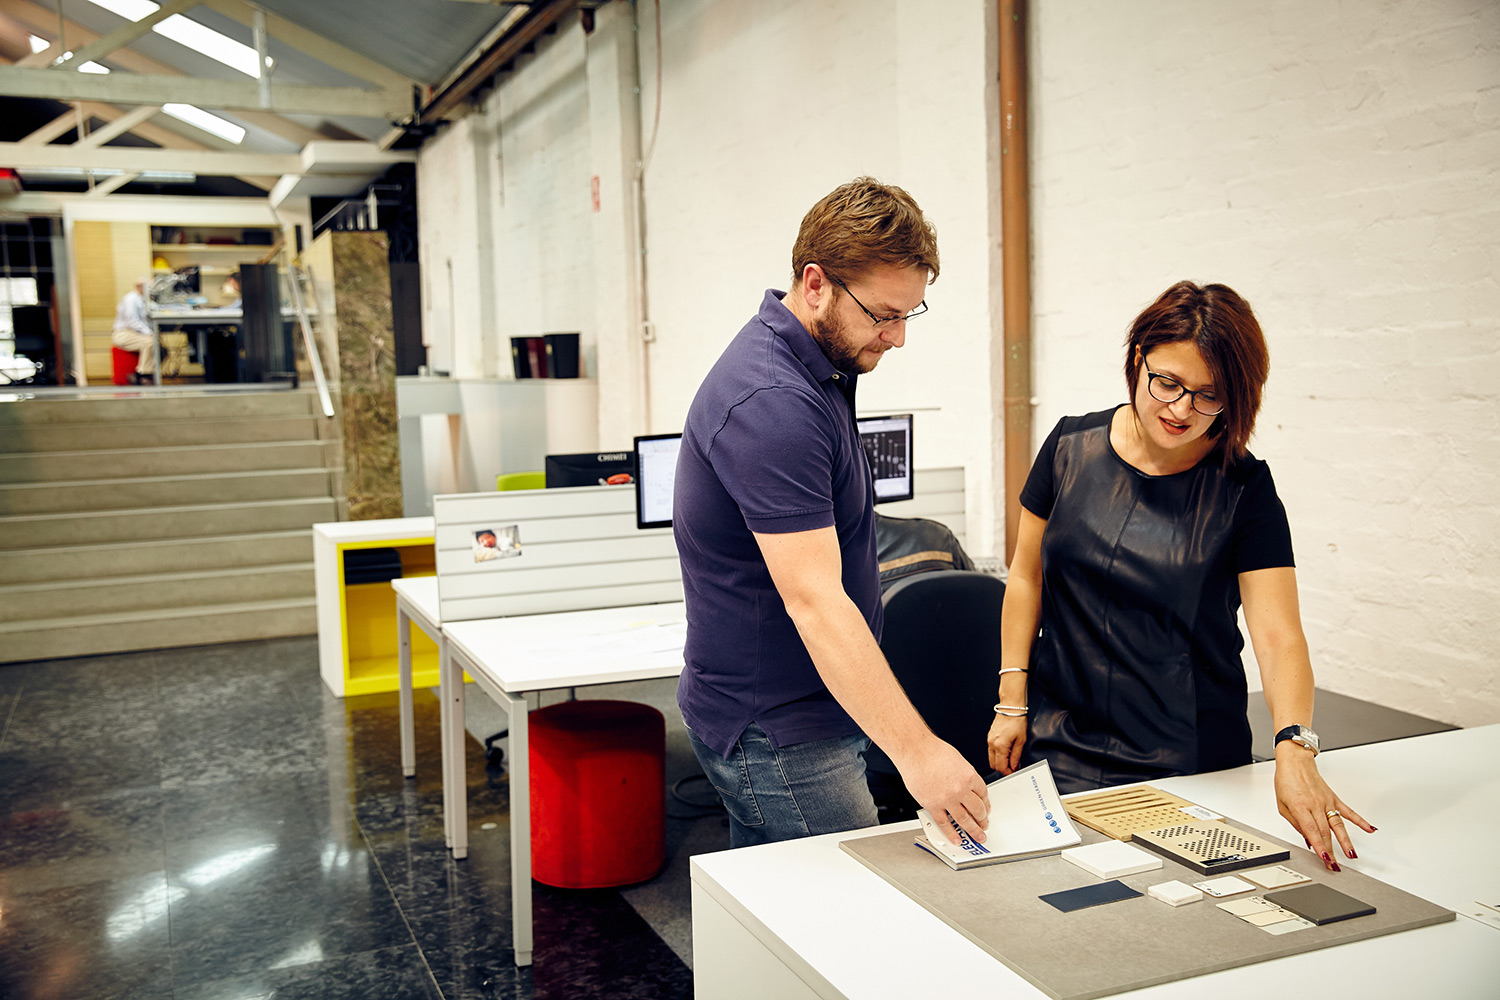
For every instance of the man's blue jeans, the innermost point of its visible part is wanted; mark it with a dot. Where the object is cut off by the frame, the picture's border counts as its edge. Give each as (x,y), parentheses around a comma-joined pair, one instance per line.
(795,791)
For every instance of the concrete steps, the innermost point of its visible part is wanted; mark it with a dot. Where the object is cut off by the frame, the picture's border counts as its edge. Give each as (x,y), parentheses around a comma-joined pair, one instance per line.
(91,635)
(160,519)
(163,556)
(34,602)
(162,491)
(146,524)
(200,459)
(62,436)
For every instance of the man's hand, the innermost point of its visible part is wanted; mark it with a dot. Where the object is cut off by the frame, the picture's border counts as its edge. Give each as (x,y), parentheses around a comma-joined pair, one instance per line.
(1304,800)
(1007,739)
(943,782)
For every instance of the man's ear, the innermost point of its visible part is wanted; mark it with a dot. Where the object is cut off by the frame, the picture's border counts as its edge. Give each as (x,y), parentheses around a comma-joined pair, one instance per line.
(815,286)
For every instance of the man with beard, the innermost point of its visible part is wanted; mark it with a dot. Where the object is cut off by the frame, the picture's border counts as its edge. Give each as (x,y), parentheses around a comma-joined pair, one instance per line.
(784,685)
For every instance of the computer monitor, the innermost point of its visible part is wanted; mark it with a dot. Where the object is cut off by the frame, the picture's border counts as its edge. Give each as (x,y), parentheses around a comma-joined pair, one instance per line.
(590,468)
(887,441)
(655,471)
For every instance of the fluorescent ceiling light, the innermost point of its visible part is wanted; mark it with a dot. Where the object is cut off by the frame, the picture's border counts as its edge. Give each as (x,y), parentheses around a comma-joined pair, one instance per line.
(92,67)
(190,33)
(220,127)
(53,175)
(39,44)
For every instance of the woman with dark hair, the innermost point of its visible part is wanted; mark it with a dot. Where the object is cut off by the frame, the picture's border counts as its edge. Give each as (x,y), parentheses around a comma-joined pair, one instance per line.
(1144,528)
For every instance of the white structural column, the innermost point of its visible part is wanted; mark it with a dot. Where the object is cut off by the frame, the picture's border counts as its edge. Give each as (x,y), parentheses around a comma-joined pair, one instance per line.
(615,141)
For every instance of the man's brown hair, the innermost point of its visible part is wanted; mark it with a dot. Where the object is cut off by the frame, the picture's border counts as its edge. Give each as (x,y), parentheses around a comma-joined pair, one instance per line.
(1214,319)
(864,224)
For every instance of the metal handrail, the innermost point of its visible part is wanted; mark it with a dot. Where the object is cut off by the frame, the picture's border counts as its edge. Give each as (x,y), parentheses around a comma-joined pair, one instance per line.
(319,378)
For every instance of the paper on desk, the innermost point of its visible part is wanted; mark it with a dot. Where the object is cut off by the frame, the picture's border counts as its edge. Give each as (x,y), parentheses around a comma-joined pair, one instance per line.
(1027,818)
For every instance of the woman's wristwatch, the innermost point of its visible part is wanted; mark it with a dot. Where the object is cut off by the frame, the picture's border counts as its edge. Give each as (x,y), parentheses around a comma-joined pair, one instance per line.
(1300,735)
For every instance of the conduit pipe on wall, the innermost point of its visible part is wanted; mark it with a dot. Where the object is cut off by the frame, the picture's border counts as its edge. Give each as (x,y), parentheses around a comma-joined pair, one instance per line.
(644,326)
(1015,261)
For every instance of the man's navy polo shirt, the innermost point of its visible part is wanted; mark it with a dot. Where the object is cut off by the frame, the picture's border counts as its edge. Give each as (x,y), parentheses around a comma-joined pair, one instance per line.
(770,446)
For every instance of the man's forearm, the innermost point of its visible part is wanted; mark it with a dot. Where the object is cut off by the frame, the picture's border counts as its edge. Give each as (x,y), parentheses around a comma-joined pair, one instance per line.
(850,662)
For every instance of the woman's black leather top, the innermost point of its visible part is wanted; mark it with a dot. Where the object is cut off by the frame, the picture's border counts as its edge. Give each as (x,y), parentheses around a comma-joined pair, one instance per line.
(1136,672)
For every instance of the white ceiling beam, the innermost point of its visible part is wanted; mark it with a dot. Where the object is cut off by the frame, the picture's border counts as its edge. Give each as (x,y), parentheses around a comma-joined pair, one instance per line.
(297,134)
(118,126)
(123,35)
(109,184)
(56,127)
(140,158)
(319,47)
(228,95)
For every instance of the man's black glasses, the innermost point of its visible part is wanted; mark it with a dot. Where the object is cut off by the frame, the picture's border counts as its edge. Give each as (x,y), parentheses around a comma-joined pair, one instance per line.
(878,321)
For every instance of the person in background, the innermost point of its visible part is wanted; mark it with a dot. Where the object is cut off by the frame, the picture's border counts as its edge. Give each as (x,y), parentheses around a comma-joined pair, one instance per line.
(133,333)
(1144,529)
(784,684)
(233,297)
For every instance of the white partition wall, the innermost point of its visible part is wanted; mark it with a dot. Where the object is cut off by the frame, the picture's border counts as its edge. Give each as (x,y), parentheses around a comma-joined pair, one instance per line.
(579,549)
(938,496)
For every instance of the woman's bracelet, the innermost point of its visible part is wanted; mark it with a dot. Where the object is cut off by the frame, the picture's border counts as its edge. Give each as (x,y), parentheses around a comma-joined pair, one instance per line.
(1012,711)
(1013,670)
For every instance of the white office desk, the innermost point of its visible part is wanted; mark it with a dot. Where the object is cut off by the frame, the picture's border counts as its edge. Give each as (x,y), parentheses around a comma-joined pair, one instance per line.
(507,657)
(416,604)
(803,919)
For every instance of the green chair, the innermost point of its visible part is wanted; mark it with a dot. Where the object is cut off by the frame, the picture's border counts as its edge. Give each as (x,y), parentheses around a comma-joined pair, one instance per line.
(521,481)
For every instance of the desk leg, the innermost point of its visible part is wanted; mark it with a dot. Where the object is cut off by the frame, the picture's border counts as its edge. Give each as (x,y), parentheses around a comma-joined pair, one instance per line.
(445,742)
(520,826)
(408,736)
(454,747)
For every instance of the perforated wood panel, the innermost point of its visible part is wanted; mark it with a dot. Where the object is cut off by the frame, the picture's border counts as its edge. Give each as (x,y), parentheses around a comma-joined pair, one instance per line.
(1120,814)
(1211,848)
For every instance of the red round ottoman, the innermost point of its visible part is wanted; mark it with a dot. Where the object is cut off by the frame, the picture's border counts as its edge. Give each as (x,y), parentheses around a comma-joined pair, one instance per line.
(598,794)
(124,363)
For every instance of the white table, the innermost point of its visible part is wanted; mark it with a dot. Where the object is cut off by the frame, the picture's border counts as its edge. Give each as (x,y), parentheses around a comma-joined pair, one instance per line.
(507,657)
(803,919)
(416,604)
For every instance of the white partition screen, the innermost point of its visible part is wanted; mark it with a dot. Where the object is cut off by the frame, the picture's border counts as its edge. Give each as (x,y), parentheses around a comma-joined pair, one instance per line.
(536,551)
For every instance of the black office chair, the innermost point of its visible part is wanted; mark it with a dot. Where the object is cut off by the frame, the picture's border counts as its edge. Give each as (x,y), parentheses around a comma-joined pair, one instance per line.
(942,639)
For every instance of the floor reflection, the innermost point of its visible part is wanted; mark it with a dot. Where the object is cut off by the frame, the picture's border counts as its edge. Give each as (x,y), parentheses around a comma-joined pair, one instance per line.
(211,824)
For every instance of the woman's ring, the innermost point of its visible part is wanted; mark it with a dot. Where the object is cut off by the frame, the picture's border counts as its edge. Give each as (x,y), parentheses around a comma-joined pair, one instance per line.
(1333,812)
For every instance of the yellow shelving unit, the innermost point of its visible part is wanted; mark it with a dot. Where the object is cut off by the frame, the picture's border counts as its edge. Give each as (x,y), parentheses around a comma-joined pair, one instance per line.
(357,647)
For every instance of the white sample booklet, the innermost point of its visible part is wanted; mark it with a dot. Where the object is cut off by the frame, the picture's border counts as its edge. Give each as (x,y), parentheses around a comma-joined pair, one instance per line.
(1027,820)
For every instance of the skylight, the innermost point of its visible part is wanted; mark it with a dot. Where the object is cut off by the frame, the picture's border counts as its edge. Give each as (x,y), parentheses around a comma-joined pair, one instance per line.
(190,33)
(39,44)
(194,115)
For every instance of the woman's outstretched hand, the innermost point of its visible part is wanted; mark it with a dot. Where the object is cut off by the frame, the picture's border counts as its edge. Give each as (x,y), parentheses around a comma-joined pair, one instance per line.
(1304,800)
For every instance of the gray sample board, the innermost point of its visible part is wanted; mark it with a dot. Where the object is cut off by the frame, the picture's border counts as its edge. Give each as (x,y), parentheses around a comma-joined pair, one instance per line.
(1126,945)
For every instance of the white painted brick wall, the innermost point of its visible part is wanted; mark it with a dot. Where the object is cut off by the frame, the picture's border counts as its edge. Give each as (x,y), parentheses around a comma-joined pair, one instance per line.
(1339,165)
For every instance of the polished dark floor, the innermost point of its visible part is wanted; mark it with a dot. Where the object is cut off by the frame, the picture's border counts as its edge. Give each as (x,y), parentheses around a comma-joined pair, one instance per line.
(212,824)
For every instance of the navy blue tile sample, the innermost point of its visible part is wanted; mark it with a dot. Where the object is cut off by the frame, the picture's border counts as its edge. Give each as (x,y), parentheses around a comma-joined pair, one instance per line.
(212,824)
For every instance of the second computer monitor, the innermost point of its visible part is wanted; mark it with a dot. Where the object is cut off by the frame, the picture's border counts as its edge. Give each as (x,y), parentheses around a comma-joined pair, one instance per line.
(655,473)
(589,468)
(887,441)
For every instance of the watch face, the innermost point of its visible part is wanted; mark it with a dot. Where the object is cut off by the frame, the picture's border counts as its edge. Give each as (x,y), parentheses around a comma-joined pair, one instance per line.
(1300,735)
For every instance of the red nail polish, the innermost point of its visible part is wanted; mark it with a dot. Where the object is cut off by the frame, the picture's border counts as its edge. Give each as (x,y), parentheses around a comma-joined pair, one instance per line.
(1353,853)
(1326,859)
(1374,828)
(1336,867)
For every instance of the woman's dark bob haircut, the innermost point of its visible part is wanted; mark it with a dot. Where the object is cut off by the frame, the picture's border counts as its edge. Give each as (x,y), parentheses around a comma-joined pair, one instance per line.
(1214,319)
